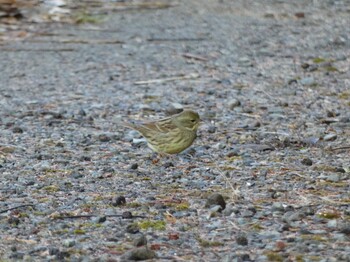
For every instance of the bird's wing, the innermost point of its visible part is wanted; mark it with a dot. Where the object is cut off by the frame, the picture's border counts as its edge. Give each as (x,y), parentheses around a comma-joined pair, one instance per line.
(162,126)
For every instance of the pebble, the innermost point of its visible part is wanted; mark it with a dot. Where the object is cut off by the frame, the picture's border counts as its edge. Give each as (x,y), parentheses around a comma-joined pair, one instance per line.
(307,81)
(333,178)
(132,228)
(77,175)
(345,229)
(247,213)
(333,223)
(69,242)
(118,201)
(138,254)
(134,166)
(211,129)
(174,108)
(17,130)
(306,161)
(242,240)
(216,208)
(244,61)
(168,164)
(330,137)
(140,241)
(216,199)
(104,138)
(233,103)
(53,251)
(340,170)
(127,215)
(277,206)
(292,216)
(228,210)
(100,219)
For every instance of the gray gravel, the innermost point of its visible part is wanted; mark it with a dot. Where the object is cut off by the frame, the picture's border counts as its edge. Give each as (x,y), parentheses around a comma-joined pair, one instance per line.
(266,180)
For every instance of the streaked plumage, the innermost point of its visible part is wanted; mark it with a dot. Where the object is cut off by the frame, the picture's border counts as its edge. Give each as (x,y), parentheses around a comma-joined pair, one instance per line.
(170,135)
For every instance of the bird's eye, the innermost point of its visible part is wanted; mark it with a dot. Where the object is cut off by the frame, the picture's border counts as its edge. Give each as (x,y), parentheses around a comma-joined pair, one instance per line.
(193,120)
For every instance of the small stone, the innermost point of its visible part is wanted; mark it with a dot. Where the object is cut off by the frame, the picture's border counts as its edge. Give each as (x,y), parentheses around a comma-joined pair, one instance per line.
(62,254)
(306,161)
(277,206)
(216,208)
(134,166)
(104,138)
(247,213)
(284,227)
(219,146)
(233,103)
(307,211)
(100,220)
(127,215)
(242,240)
(228,210)
(132,228)
(345,119)
(305,65)
(81,112)
(17,255)
(307,81)
(216,199)
(299,14)
(245,62)
(53,251)
(345,229)
(245,257)
(330,137)
(233,153)
(140,241)
(252,209)
(333,178)
(168,164)
(175,108)
(69,242)
(340,170)
(138,254)
(108,169)
(13,220)
(211,129)
(291,216)
(85,158)
(77,175)
(333,223)
(331,113)
(17,130)
(118,201)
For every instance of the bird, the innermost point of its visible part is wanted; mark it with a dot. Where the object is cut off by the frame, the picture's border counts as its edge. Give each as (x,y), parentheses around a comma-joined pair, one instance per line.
(170,135)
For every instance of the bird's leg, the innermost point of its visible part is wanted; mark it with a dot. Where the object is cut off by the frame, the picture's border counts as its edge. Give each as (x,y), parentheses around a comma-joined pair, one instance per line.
(155,158)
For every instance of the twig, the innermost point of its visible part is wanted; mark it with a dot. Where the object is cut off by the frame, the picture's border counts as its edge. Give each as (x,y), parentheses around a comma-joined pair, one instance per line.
(37,50)
(196,57)
(12,146)
(236,192)
(145,5)
(162,80)
(77,41)
(90,216)
(175,39)
(12,208)
(340,148)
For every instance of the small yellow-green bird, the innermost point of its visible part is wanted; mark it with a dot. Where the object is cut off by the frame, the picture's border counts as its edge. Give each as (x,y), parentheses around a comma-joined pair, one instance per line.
(170,135)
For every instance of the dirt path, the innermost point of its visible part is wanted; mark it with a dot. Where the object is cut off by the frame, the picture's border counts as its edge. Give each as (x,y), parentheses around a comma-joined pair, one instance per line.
(271,83)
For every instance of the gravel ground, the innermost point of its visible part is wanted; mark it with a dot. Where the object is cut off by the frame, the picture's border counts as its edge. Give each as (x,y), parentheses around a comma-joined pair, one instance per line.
(266,180)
